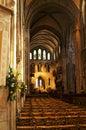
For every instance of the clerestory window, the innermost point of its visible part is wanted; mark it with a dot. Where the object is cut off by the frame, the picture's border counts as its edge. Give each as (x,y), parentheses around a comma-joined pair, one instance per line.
(40,54)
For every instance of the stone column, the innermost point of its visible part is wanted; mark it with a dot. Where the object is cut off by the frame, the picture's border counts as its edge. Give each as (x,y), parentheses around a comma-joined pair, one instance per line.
(13,115)
(71,63)
(27,59)
(5,21)
(20,37)
(78,67)
(36,67)
(4,109)
(64,71)
(18,103)
(22,102)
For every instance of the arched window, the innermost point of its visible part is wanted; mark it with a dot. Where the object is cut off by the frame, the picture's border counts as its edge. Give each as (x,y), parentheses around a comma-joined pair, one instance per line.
(36,82)
(30,55)
(44,55)
(48,56)
(39,54)
(40,82)
(34,54)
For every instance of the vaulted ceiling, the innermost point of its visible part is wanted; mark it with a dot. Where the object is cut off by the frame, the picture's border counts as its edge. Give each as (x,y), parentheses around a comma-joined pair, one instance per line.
(49,21)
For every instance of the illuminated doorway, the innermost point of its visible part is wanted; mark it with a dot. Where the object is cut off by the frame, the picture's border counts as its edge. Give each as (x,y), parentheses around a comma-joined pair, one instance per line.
(40,83)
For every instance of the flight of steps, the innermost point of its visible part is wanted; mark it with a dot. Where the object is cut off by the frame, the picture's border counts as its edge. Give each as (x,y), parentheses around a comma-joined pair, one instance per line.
(51,114)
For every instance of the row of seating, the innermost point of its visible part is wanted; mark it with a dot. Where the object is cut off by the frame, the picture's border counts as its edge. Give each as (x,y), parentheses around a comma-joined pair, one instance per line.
(51,114)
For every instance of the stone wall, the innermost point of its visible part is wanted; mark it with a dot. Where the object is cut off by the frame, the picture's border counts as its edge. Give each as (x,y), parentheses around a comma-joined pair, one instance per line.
(5,37)
(5,20)
(4,111)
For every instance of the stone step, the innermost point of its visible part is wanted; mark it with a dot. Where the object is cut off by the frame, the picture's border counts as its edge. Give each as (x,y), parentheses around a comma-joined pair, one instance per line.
(51,120)
(58,113)
(54,111)
(51,115)
(37,106)
(55,127)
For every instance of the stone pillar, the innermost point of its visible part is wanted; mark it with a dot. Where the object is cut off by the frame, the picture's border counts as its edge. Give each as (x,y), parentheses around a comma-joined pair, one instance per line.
(12,115)
(78,67)
(36,67)
(4,109)
(71,63)
(64,71)
(22,101)
(18,36)
(5,52)
(28,52)
(18,103)
(26,58)
(20,41)
(5,21)
(83,45)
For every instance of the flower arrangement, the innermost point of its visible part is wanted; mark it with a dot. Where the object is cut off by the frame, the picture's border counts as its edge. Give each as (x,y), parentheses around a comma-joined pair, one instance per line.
(14,84)
(23,89)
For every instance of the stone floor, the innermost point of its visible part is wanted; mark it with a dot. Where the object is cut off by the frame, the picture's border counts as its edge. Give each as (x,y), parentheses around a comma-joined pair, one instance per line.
(46,113)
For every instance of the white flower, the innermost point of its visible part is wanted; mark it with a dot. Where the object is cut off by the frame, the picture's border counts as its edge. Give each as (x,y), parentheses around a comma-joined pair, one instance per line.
(12,85)
(9,76)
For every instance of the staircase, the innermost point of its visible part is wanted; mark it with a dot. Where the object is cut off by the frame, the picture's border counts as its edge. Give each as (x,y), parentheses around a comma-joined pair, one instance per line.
(45,113)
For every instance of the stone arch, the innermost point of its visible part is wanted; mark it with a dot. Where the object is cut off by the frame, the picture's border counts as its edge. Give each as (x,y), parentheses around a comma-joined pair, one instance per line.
(41,82)
(34,8)
(68,16)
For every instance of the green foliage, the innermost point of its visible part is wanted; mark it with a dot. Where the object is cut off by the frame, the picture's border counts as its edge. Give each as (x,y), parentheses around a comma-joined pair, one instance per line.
(14,85)
(11,82)
(23,89)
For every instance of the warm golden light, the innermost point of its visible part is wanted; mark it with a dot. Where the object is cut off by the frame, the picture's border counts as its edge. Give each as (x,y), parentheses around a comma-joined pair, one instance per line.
(15,35)
(83,10)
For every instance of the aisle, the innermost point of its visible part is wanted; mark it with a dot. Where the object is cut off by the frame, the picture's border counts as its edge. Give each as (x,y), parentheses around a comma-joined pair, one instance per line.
(51,114)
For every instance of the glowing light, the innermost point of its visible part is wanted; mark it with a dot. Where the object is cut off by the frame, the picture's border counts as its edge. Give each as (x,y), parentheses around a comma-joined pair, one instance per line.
(39,54)
(34,53)
(40,81)
(44,55)
(36,82)
(48,56)
(30,55)
(83,11)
